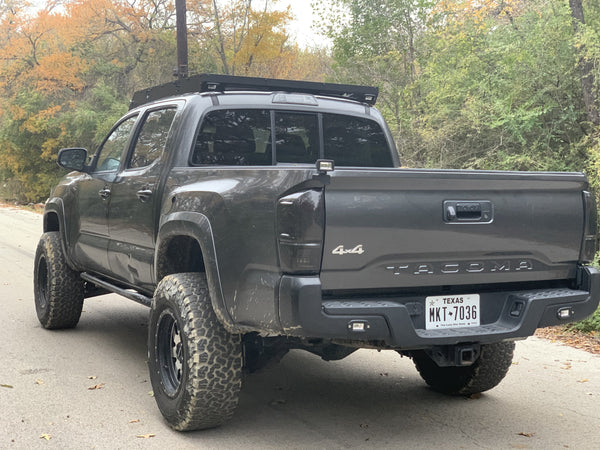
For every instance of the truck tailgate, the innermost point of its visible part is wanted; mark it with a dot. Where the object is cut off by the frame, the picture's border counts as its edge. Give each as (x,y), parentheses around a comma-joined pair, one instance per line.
(397,228)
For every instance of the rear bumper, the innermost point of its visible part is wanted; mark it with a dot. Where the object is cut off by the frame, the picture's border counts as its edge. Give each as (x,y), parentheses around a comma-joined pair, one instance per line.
(399,322)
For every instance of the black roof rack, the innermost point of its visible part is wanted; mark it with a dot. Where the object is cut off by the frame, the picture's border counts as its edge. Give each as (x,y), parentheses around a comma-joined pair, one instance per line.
(207,82)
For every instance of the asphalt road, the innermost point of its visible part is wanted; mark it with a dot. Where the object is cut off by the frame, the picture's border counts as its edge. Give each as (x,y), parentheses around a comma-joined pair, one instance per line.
(89,388)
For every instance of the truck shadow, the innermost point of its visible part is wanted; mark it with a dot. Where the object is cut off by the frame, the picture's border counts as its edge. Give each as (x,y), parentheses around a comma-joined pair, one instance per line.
(368,399)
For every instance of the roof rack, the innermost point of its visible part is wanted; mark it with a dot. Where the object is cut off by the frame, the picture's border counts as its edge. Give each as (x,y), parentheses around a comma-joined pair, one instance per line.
(207,82)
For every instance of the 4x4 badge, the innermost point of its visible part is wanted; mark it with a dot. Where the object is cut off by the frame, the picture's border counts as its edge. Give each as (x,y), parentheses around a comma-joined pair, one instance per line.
(340,250)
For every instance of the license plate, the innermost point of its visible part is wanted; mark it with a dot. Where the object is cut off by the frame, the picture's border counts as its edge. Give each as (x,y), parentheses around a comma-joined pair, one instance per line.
(451,311)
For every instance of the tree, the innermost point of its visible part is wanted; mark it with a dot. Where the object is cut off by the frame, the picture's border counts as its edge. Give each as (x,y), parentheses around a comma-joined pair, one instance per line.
(242,39)
(72,67)
(380,43)
(468,83)
(586,66)
(67,73)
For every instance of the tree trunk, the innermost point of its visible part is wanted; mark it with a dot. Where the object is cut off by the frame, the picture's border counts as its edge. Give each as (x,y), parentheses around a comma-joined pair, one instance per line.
(585,67)
(221,42)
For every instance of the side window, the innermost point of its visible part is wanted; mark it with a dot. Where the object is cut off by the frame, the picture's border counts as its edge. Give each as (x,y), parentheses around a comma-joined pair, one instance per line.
(354,141)
(114,145)
(296,137)
(234,137)
(152,138)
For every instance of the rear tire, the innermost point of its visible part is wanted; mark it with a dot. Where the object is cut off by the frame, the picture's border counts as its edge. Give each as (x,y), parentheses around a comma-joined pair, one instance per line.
(195,364)
(58,289)
(485,373)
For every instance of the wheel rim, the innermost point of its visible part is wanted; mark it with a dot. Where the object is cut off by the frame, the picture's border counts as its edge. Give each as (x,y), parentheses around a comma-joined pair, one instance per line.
(170,356)
(42,283)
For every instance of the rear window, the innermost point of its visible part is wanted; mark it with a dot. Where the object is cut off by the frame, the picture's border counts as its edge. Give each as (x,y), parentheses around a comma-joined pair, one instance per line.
(296,137)
(354,141)
(244,137)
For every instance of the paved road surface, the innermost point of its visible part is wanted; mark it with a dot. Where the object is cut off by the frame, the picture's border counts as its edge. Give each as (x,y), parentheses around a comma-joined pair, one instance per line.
(550,399)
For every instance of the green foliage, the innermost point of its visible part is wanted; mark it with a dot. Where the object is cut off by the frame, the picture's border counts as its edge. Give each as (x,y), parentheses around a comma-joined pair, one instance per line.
(592,323)
(482,85)
(504,93)
(380,43)
(589,325)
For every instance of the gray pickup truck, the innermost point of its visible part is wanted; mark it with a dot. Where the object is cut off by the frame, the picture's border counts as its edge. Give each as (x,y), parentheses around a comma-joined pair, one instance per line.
(254,215)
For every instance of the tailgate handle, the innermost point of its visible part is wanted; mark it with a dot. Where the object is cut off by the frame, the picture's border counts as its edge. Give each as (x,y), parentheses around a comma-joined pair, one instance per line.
(456,211)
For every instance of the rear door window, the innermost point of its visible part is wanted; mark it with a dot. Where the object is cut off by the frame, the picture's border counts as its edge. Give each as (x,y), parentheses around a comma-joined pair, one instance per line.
(239,137)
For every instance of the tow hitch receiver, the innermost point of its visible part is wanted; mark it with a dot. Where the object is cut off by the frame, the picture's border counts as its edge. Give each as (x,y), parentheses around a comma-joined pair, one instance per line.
(454,355)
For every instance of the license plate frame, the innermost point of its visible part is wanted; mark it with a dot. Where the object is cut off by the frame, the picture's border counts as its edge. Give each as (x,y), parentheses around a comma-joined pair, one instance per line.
(452,311)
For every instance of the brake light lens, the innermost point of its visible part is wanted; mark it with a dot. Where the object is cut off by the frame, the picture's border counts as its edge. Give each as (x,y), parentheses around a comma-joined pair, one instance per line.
(300,231)
(589,244)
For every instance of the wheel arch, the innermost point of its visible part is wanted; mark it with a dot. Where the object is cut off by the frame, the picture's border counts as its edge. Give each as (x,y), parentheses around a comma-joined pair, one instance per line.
(185,243)
(54,220)
(54,216)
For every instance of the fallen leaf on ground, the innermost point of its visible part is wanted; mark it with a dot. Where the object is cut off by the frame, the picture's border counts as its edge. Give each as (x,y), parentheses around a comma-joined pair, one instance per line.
(151,393)
(6,386)
(96,387)
(585,380)
(525,434)
(134,421)
(92,377)
(145,436)
(46,436)
(582,341)
(39,382)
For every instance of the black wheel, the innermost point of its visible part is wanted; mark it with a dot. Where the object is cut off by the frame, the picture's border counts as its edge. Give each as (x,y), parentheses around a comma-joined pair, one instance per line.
(195,364)
(58,289)
(485,373)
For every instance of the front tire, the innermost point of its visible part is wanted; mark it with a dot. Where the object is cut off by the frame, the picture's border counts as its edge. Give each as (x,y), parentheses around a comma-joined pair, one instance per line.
(195,364)
(485,373)
(58,289)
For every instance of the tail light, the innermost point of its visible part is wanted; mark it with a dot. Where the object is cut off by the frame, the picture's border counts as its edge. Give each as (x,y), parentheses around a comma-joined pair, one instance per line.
(300,229)
(589,244)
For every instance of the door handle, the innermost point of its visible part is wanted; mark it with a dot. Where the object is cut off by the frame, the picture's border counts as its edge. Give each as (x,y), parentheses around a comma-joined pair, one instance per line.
(144,194)
(104,193)
(468,211)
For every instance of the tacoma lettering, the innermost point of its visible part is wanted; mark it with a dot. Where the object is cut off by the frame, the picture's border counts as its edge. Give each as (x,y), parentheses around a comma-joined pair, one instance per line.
(450,268)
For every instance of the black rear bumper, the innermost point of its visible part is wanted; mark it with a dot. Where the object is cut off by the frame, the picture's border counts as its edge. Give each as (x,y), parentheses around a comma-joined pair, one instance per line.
(399,322)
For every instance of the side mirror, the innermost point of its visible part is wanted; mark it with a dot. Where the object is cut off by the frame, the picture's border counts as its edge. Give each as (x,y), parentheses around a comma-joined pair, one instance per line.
(73,159)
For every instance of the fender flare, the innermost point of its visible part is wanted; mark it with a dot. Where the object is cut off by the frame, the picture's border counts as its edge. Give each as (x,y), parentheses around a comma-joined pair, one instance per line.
(197,226)
(55,205)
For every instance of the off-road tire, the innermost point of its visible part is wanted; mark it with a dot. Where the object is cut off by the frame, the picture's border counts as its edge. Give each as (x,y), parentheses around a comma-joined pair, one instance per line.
(195,364)
(485,373)
(58,289)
